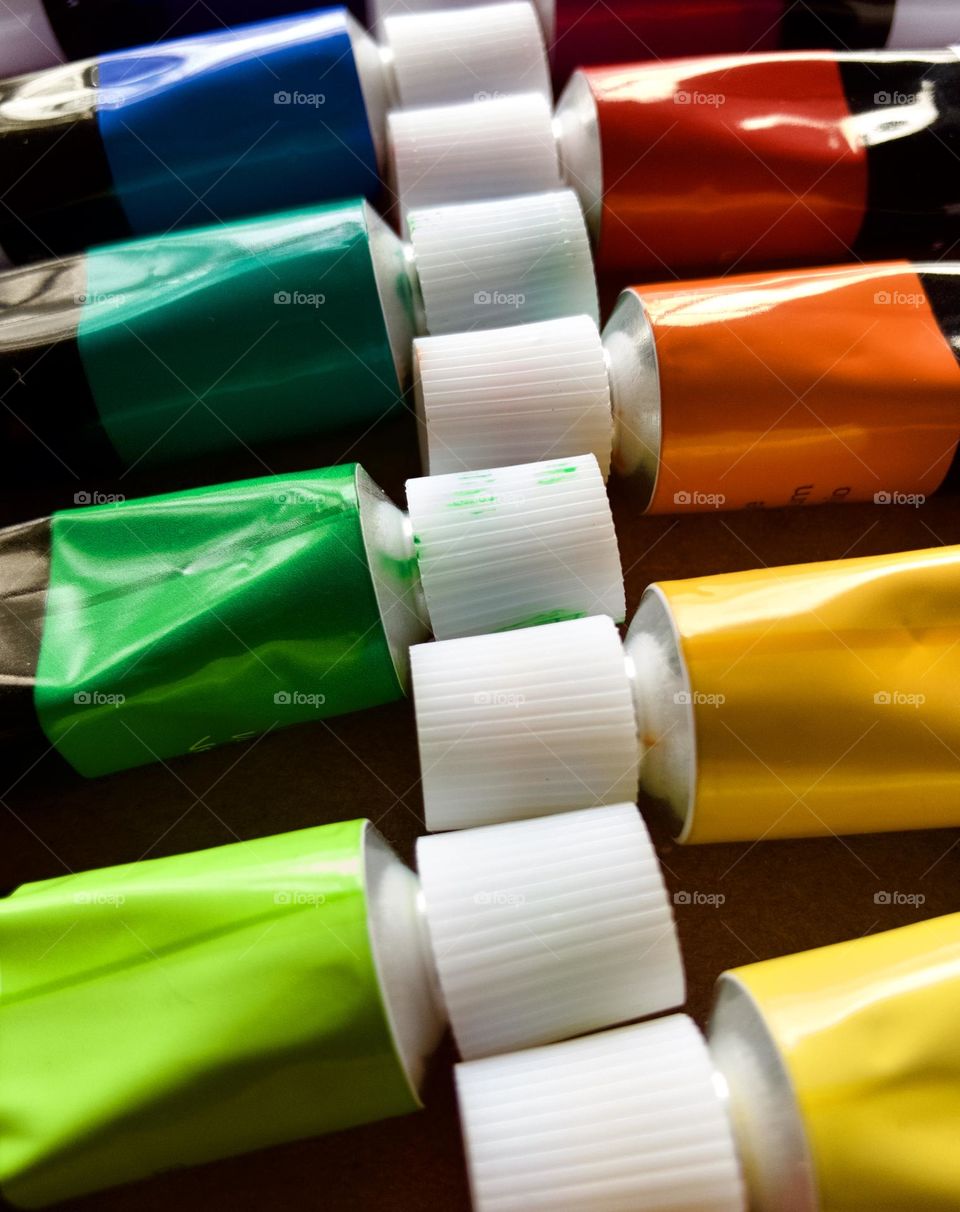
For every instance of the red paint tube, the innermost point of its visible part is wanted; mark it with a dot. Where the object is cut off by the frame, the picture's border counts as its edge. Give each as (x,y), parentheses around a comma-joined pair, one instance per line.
(719,164)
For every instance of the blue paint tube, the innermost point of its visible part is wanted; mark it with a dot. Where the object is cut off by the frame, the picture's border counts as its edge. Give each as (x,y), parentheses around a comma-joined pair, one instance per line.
(211,127)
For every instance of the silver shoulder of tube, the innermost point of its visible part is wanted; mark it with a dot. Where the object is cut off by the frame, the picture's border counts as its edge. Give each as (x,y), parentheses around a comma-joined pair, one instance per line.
(577,131)
(376,85)
(771,1142)
(664,712)
(634,395)
(388,542)
(396,291)
(402,957)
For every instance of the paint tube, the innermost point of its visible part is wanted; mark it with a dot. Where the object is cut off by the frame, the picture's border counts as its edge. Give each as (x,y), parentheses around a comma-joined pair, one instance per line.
(42,33)
(581,33)
(829,1081)
(801,701)
(796,387)
(133,631)
(235,122)
(699,165)
(229,337)
(177,1010)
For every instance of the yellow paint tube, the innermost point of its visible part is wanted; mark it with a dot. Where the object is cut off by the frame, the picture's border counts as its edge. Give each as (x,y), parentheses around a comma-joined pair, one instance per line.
(819,698)
(829,1082)
(798,701)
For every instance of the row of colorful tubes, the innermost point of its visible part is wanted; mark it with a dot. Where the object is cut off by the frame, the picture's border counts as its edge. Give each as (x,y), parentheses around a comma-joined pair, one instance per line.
(241,303)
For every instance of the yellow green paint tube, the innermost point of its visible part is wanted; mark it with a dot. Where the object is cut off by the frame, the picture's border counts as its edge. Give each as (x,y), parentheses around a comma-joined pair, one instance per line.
(139,630)
(178,1010)
(229,337)
(808,700)
(829,1081)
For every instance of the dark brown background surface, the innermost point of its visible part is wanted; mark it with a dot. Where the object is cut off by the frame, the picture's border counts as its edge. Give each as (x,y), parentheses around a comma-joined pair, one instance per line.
(779,896)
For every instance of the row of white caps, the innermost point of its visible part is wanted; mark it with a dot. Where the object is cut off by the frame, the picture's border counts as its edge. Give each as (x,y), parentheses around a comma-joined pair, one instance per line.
(553,927)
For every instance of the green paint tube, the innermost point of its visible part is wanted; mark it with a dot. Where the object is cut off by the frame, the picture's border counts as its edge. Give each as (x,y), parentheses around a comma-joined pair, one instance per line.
(183,1009)
(282,328)
(139,630)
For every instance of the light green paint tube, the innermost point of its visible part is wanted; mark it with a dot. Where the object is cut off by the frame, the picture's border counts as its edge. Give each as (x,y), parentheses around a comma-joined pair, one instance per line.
(183,1009)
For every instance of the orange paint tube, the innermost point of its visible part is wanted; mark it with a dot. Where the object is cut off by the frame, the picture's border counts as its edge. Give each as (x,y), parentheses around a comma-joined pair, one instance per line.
(795,387)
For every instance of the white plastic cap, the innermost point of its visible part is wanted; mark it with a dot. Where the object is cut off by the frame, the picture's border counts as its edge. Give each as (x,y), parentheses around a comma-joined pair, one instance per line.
(515,546)
(626,1121)
(480,149)
(549,928)
(511,395)
(524,723)
(379,10)
(466,54)
(503,262)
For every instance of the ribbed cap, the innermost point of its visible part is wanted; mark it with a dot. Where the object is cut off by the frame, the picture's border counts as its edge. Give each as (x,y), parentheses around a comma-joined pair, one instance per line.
(549,928)
(512,395)
(467,54)
(379,10)
(515,546)
(625,1121)
(524,723)
(480,149)
(503,262)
